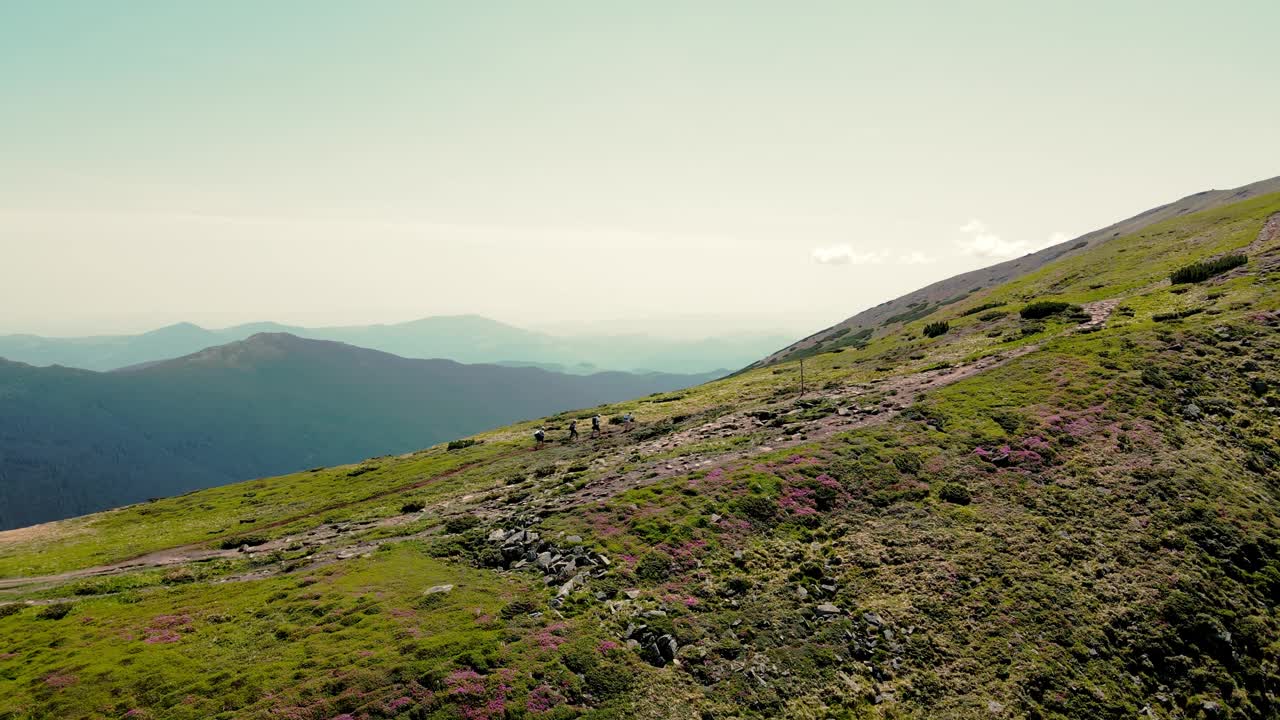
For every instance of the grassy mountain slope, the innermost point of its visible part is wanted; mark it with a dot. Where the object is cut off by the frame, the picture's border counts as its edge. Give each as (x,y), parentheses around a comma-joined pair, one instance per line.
(74,441)
(1061,516)
(463,338)
(885,317)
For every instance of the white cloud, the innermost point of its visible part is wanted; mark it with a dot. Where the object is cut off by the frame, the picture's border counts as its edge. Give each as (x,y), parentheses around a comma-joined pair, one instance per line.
(980,241)
(915,257)
(984,244)
(844,254)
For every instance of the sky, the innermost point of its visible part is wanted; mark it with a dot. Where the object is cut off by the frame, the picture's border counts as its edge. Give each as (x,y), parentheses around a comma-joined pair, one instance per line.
(715,165)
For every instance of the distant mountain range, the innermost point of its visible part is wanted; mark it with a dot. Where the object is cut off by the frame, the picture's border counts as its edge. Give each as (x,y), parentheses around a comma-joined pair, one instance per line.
(73,441)
(464,338)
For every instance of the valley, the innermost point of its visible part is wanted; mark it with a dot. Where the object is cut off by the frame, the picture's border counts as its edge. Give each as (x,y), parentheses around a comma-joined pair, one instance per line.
(1059,501)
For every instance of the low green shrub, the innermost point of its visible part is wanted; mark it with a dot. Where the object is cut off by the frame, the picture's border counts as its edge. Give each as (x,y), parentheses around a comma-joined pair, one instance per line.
(1205,269)
(654,567)
(954,493)
(461,524)
(56,611)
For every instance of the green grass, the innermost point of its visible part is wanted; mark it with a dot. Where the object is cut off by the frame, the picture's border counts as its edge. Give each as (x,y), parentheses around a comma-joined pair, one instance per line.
(1110,543)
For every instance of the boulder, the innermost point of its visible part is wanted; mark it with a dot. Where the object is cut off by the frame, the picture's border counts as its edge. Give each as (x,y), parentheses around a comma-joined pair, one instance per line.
(436,589)
(667,647)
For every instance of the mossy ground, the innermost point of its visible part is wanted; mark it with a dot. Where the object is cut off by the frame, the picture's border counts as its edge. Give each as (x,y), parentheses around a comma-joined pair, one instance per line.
(1086,529)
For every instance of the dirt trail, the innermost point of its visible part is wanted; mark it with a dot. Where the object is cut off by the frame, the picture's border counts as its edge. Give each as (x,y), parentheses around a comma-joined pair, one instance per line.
(898,391)
(1099,312)
(200,551)
(896,394)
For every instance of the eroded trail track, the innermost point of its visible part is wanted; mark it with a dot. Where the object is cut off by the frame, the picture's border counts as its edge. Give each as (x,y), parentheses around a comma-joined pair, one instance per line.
(858,405)
(200,551)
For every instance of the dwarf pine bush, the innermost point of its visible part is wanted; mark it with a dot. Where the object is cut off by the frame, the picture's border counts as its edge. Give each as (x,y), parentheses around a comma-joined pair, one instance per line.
(1042,308)
(1205,269)
(934,329)
(979,308)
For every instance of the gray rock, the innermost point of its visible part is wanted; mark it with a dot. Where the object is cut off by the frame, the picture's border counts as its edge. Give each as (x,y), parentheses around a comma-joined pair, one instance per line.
(631,594)
(667,647)
(802,593)
(1191,411)
(827,609)
(497,535)
(573,539)
(872,618)
(435,589)
(994,707)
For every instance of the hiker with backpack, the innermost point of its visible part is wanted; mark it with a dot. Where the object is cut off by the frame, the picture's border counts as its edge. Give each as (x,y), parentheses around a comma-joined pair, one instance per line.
(573,430)
(628,422)
(539,438)
(595,425)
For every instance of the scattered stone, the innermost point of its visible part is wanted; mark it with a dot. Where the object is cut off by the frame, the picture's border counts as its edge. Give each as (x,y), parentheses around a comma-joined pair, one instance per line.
(994,707)
(435,589)
(827,610)
(1191,411)
(631,594)
(802,593)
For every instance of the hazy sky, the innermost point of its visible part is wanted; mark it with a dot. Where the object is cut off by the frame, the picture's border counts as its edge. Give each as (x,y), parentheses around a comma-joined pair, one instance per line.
(552,163)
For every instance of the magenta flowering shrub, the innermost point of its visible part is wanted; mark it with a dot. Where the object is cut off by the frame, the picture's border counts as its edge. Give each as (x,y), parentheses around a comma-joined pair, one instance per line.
(542,699)
(798,501)
(1005,456)
(681,557)
(549,638)
(476,696)
(806,497)
(395,706)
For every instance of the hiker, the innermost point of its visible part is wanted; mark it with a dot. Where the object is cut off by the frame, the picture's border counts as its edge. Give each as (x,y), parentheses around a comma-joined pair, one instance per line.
(595,425)
(540,438)
(628,422)
(573,430)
